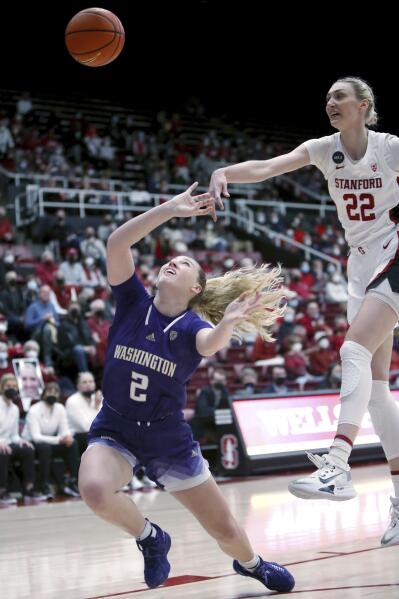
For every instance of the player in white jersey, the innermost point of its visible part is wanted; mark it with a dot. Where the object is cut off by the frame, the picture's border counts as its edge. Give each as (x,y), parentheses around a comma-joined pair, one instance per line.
(362,170)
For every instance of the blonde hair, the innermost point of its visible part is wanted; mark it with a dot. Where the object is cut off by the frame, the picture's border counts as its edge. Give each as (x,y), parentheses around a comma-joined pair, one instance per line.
(363,91)
(219,292)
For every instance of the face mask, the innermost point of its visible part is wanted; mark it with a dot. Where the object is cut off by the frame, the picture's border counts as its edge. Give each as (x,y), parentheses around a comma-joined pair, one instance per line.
(336,279)
(3,356)
(289,317)
(59,281)
(336,378)
(50,399)
(11,393)
(87,394)
(32,353)
(3,326)
(324,343)
(32,285)
(74,314)
(12,282)
(99,313)
(249,387)
(218,385)
(305,268)
(297,347)
(279,381)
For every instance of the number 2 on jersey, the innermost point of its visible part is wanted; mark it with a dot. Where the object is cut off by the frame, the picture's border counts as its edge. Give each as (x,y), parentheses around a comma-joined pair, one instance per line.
(139,383)
(357,209)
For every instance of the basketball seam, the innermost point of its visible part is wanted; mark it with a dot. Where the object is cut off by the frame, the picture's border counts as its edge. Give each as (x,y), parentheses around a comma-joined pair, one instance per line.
(116,49)
(96,30)
(98,14)
(95,49)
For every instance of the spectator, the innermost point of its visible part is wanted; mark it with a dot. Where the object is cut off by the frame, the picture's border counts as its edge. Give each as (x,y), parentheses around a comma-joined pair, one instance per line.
(310,318)
(6,139)
(62,292)
(82,407)
(93,247)
(332,379)
(294,360)
(41,322)
(249,381)
(99,327)
(94,276)
(12,305)
(47,426)
(60,231)
(211,397)
(336,289)
(12,446)
(106,228)
(24,104)
(75,340)
(72,269)
(5,364)
(321,356)
(47,268)
(278,383)
(6,233)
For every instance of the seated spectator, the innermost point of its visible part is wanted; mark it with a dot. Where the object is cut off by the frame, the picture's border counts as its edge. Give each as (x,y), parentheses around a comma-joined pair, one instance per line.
(41,323)
(294,361)
(12,446)
(99,327)
(5,362)
(333,378)
(13,305)
(310,318)
(46,269)
(6,233)
(336,289)
(249,381)
(82,407)
(94,275)
(106,228)
(75,341)
(278,383)
(62,292)
(321,356)
(210,398)
(72,269)
(47,427)
(93,247)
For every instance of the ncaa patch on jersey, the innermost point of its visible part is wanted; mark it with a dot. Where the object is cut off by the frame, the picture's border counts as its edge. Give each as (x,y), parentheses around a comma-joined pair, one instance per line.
(172,335)
(338,157)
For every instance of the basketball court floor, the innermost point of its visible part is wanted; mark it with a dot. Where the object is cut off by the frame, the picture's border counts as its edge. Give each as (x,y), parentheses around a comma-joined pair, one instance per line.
(61,550)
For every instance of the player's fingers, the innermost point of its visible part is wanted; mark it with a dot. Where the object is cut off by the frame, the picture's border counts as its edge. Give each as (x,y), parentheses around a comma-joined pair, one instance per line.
(192,187)
(225,192)
(202,196)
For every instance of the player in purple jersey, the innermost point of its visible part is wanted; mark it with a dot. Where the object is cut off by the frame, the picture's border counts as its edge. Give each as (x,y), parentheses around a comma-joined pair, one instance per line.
(154,346)
(362,171)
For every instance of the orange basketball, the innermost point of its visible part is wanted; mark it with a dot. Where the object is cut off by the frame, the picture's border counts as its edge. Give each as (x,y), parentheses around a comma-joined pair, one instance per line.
(94,37)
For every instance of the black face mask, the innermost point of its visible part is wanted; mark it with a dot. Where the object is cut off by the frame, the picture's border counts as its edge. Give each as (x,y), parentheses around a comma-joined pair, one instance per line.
(99,313)
(74,313)
(11,393)
(51,399)
(218,385)
(59,281)
(87,393)
(279,381)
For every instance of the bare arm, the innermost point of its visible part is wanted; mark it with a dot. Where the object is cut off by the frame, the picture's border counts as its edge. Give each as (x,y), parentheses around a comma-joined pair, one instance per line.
(120,265)
(254,171)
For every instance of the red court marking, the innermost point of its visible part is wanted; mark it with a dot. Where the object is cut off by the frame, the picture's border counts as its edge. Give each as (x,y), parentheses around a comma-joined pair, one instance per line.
(178,580)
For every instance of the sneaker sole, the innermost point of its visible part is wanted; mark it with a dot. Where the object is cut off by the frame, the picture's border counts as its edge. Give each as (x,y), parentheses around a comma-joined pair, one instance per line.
(303,494)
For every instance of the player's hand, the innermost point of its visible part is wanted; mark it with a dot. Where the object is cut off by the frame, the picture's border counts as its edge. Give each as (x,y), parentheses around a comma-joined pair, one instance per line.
(218,186)
(241,307)
(5,448)
(186,205)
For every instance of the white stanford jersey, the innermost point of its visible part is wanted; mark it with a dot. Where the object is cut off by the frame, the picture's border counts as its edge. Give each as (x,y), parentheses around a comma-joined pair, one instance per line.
(365,192)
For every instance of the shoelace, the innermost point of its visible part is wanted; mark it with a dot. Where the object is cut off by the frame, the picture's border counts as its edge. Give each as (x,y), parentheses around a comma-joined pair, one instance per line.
(321,462)
(150,551)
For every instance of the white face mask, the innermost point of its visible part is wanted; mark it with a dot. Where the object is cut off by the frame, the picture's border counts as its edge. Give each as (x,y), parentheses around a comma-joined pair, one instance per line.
(3,326)
(32,354)
(324,343)
(297,347)
(3,356)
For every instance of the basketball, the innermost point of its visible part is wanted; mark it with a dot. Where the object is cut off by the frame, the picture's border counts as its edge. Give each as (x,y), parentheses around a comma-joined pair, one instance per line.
(94,37)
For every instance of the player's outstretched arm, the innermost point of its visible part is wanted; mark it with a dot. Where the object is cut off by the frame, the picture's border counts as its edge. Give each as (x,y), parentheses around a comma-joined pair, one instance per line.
(254,171)
(209,341)
(120,265)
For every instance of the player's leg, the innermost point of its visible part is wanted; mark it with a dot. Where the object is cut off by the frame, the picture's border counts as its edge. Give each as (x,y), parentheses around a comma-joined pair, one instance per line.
(104,471)
(210,508)
(384,413)
(372,324)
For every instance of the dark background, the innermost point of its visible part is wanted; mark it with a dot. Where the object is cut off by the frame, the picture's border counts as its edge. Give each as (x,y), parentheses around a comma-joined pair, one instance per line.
(242,60)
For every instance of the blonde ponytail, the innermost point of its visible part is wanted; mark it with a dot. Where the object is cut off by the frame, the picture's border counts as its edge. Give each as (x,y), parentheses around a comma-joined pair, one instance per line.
(221,291)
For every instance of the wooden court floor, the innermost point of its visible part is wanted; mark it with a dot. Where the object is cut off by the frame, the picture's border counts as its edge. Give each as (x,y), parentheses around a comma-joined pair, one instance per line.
(61,550)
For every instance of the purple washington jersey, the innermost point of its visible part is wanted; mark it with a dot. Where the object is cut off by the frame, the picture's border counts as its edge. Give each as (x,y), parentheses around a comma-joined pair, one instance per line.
(149,357)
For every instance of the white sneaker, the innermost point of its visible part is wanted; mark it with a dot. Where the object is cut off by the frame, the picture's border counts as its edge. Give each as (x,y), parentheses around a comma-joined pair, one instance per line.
(148,483)
(328,482)
(136,484)
(391,536)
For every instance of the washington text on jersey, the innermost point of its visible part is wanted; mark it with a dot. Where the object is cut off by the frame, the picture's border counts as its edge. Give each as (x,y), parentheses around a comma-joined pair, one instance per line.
(144,358)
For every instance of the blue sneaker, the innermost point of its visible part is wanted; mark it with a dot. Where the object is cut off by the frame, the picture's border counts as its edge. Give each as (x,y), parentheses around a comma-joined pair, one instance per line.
(155,550)
(273,576)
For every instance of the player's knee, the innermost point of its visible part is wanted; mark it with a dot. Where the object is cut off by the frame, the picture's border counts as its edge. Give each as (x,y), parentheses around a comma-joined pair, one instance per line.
(95,493)
(226,530)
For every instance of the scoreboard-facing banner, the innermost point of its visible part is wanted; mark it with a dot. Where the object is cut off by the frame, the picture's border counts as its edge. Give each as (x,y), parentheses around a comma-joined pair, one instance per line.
(261,433)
